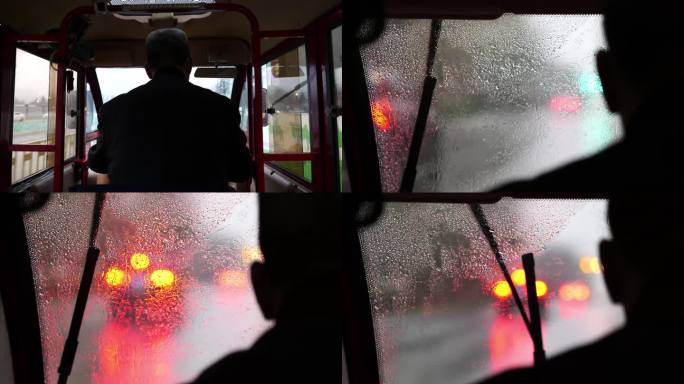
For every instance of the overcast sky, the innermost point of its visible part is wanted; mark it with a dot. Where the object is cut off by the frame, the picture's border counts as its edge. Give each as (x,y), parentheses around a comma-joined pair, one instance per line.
(32,77)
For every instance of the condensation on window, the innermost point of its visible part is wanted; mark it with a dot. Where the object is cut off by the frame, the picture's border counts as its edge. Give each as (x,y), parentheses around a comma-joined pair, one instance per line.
(394,66)
(432,276)
(171,292)
(515,97)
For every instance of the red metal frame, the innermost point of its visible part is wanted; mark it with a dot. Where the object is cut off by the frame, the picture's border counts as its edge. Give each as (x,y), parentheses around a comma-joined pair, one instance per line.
(250,110)
(32,147)
(323,137)
(254,83)
(7,65)
(256,63)
(324,27)
(312,156)
(80,128)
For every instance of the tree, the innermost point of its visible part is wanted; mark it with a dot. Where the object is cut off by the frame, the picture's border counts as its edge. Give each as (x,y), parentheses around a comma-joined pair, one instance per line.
(223,87)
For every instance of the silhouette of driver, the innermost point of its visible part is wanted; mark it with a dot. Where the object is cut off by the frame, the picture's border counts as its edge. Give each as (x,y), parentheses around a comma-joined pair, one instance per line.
(298,285)
(642,79)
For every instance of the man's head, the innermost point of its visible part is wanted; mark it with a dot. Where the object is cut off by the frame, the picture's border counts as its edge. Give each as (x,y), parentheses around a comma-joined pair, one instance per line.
(300,239)
(168,48)
(642,263)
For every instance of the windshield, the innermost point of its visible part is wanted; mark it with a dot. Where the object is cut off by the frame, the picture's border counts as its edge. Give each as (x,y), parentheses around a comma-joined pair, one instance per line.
(440,311)
(117,81)
(515,97)
(171,292)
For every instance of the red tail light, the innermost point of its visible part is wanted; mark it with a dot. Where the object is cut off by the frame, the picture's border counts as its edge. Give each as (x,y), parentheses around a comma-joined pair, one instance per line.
(501,289)
(162,278)
(575,291)
(381,112)
(115,277)
(231,278)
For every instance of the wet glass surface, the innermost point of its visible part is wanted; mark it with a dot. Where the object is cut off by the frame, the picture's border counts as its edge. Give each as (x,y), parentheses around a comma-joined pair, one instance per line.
(515,97)
(439,311)
(171,292)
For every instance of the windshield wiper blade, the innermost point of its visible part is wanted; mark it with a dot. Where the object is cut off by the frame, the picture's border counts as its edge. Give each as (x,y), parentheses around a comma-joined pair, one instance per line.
(489,234)
(295,89)
(534,325)
(409,177)
(71,343)
(533,305)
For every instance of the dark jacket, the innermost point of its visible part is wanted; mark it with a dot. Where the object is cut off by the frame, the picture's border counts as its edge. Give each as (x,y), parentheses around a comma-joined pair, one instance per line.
(171,135)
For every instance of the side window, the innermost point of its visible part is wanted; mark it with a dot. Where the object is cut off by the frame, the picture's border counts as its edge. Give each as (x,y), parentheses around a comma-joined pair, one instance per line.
(70,119)
(34,113)
(90,110)
(286,118)
(244,110)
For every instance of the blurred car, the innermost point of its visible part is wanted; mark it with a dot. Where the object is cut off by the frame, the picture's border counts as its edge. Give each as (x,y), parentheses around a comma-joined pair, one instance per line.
(18,116)
(140,293)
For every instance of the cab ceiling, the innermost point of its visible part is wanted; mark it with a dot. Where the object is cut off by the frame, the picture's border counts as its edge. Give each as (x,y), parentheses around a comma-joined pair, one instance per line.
(42,16)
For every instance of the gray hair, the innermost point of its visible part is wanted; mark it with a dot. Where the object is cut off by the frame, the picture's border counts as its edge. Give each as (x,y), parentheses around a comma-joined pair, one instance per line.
(167,48)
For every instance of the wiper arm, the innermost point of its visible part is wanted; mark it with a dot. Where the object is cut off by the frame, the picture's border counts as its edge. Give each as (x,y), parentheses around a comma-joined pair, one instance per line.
(409,177)
(533,326)
(71,343)
(295,89)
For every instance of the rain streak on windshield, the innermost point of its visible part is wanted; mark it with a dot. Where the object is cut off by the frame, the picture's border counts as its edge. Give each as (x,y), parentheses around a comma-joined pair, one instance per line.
(515,97)
(439,313)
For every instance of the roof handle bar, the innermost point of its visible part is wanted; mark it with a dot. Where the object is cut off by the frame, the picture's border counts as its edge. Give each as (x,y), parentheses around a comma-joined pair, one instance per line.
(71,343)
(101,6)
(533,305)
(409,177)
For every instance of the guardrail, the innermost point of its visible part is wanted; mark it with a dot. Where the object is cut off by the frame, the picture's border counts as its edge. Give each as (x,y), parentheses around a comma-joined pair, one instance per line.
(25,164)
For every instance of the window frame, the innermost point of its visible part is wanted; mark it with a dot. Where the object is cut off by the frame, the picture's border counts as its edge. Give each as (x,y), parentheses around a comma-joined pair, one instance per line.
(12,42)
(286,46)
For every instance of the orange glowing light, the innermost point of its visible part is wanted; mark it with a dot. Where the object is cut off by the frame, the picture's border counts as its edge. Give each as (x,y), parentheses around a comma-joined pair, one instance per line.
(590,264)
(542,288)
(231,278)
(501,289)
(575,291)
(162,278)
(251,254)
(381,112)
(140,261)
(518,277)
(114,277)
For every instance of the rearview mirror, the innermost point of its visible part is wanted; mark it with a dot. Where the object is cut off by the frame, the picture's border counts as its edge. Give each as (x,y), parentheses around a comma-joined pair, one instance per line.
(217,73)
